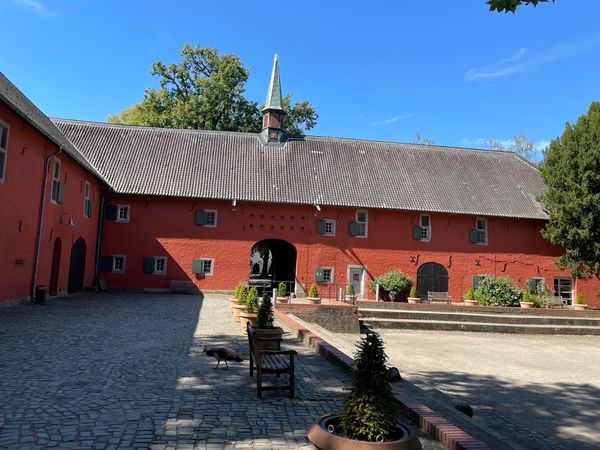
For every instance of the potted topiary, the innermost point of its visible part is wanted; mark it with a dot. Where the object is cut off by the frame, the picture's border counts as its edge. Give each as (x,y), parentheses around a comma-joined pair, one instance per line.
(264,327)
(281,293)
(249,313)
(313,295)
(526,301)
(579,303)
(470,299)
(233,300)
(412,297)
(350,294)
(368,416)
(240,305)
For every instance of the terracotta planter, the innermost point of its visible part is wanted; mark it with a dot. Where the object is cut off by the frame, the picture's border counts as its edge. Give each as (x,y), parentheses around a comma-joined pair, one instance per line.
(245,318)
(527,305)
(313,300)
(237,309)
(580,307)
(283,299)
(232,301)
(468,302)
(414,300)
(276,332)
(323,440)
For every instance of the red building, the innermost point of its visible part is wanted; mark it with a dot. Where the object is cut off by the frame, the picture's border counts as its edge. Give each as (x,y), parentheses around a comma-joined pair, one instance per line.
(216,208)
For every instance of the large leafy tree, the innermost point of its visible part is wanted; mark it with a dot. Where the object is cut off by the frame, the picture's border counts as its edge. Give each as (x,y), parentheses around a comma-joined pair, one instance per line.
(512,5)
(206,91)
(571,170)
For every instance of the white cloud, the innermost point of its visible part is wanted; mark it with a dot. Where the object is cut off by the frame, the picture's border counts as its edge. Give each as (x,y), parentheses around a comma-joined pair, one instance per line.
(390,120)
(37,7)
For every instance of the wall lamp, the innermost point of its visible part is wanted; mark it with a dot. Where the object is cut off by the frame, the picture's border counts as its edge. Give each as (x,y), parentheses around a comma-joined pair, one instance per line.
(71,222)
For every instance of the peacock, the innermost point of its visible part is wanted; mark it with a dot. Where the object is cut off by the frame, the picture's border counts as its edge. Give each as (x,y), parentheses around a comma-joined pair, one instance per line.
(222,353)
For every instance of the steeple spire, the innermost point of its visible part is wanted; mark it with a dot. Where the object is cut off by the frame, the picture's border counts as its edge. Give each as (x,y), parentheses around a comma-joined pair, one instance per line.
(273,112)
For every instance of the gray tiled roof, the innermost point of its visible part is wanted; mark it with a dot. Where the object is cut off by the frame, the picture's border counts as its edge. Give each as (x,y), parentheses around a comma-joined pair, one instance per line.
(326,171)
(16,100)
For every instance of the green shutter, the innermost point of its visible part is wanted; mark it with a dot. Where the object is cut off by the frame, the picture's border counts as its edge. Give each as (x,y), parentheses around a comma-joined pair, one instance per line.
(532,285)
(111,212)
(200,218)
(320,227)
(477,279)
(353,229)
(417,233)
(319,275)
(106,263)
(473,236)
(60,197)
(197,266)
(88,208)
(148,265)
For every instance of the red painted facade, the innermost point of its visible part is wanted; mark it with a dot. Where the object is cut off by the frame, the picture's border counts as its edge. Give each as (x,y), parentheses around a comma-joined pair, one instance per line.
(20,197)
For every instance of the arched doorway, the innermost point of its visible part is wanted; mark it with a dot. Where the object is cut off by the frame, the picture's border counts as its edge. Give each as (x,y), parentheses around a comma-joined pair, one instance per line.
(55,269)
(431,277)
(77,267)
(273,261)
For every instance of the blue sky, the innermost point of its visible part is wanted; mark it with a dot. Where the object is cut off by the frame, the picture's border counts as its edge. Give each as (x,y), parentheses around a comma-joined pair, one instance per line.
(450,70)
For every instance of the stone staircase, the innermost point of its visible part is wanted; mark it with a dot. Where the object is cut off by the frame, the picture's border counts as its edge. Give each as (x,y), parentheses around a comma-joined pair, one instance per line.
(492,320)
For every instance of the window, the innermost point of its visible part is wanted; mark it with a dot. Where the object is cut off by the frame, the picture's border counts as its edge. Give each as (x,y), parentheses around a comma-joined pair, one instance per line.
(87,201)
(324,275)
(536,285)
(56,186)
(326,227)
(3,149)
(477,279)
(361,223)
(122,213)
(478,235)
(118,263)
(204,266)
(155,264)
(207,218)
(563,287)
(425,223)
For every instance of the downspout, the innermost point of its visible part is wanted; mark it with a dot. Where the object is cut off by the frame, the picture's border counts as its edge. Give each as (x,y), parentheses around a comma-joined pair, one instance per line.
(38,239)
(99,238)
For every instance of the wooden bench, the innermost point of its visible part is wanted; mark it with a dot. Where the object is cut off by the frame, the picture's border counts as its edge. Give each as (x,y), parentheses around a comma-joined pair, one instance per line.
(438,297)
(554,302)
(270,361)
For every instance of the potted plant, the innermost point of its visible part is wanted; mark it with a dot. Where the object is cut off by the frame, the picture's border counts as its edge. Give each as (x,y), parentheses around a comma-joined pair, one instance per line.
(281,291)
(470,299)
(368,416)
(264,327)
(233,300)
(240,305)
(412,296)
(313,295)
(393,285)
(350,293)
(251,307)
(526,301)
(579,303)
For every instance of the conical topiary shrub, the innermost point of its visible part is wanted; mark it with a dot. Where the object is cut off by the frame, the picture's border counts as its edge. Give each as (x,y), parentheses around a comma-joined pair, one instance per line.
(265,313)
(252,301)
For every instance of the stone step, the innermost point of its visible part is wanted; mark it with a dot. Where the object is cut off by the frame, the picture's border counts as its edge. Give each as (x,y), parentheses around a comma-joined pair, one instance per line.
(479,317)
(445,325)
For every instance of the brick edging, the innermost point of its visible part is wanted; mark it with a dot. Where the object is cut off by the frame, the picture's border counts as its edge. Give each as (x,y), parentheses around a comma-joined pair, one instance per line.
(429,421)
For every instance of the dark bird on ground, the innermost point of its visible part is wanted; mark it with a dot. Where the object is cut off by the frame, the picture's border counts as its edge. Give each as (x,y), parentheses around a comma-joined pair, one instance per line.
(222,353)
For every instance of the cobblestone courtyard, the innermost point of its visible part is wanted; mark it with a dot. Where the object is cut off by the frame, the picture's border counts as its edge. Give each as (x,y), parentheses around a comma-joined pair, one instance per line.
(126,371)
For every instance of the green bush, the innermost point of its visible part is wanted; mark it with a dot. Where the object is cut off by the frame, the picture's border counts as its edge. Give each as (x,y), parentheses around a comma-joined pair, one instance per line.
(370,408)
(313,292)
(350,290)
(281,291)
(497,292)
(526,296)
(238,291)
(241,296)
(470,294)
(580,299)
(538,300)
(252,301)
(393,284)
(265,313)
(413,292)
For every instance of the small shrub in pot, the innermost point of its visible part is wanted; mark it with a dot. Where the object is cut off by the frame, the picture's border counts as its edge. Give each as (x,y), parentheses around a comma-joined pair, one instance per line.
(394,284)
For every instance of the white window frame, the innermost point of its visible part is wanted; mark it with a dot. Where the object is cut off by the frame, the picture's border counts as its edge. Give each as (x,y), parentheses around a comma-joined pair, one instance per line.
(114,263)
(566,300)
(331,273)
(156,260)
(125,220)
(427,228)
(212,266)
(213,225)
(480,230)
(55,181)
(87,190)
(332,223)
(365,223)
(4,150)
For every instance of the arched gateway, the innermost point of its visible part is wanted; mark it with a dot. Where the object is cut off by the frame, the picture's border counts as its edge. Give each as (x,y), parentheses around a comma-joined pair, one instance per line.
(431,277)
(77,267)
(271,262)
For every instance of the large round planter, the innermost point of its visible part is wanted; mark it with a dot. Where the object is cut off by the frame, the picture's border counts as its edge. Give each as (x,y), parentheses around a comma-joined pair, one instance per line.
(468,302)
(270,333)
(580,307)
(283,299)
(313,300)
(245,318)
(237,309)
(323,440)
(414,300)
(232,301)
(527,305)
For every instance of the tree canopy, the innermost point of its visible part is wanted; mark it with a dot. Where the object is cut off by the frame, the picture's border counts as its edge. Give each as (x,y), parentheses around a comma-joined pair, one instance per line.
(571,170)
(206,91)
(512,5)
(518,144)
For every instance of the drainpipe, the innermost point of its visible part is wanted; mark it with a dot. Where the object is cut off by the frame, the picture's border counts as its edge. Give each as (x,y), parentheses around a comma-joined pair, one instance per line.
(38,239)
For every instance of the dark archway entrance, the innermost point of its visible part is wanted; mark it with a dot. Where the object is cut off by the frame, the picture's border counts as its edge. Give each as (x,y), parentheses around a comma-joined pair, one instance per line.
(273,261)
(55,269)
(431,277)
(77,267)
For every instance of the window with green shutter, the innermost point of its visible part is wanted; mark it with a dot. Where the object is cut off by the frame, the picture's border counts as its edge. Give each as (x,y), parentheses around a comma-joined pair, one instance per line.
(416,233)
(149,265)
(60,198)
(203,266)
(106,263)
(473,236)
(319,275)
(477,279)
(320,227)
(111,212)
(535,285)
(353,229)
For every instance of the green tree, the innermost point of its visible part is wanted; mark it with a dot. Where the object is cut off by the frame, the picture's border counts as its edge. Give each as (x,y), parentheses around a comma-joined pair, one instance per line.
(206,91)
(512,5)
(571,170)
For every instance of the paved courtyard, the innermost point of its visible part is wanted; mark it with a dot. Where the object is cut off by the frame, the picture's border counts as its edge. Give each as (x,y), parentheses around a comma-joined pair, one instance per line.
(126,371)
